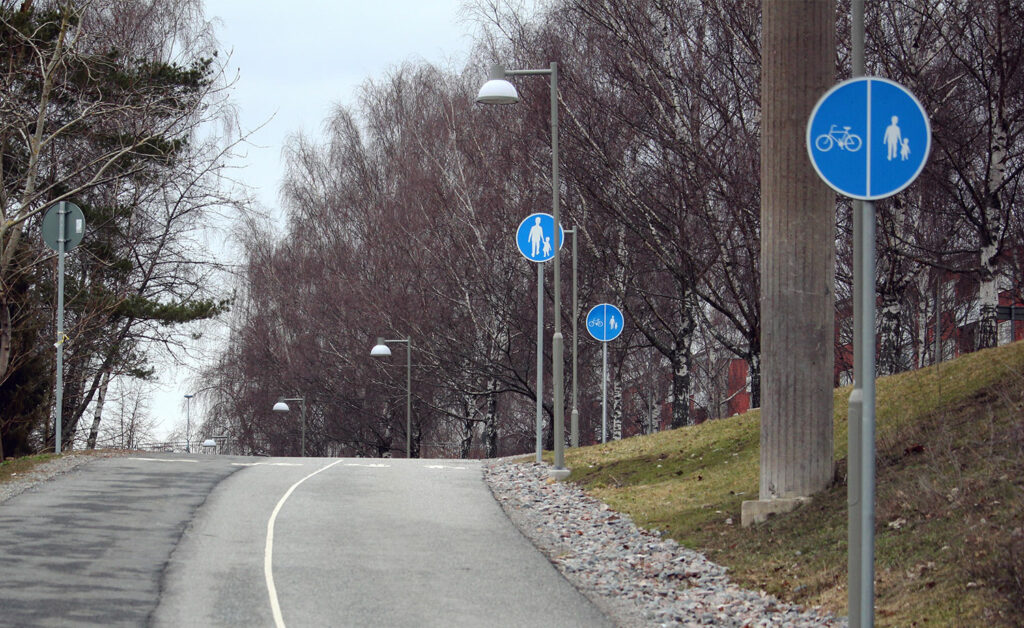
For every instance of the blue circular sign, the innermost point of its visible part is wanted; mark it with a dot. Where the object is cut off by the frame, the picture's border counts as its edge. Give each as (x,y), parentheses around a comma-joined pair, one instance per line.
(868,138)
(534,237)
(604,322)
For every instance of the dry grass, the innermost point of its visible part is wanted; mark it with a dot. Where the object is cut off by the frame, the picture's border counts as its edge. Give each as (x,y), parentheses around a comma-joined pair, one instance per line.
(13,467)
(949,495)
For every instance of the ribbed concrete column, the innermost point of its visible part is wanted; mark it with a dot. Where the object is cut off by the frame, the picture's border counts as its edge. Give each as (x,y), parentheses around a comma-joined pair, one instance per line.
(797,253)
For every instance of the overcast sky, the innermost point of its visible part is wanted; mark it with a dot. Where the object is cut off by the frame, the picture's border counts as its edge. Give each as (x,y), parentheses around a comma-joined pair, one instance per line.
(295,61)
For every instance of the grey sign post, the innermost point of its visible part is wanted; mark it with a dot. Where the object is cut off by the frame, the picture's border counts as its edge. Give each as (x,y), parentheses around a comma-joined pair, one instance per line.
(534,238)
(63,229)
(868,138)
(604,323)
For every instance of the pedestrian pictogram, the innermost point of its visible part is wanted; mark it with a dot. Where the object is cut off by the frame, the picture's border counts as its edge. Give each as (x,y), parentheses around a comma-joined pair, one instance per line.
(534,237)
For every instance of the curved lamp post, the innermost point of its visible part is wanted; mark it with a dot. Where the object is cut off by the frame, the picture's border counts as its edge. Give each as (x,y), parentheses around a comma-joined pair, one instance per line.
(498,91)
(381,350)
(282,407)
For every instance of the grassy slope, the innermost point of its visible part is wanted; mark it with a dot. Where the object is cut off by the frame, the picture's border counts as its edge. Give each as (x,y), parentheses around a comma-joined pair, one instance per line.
(950,497)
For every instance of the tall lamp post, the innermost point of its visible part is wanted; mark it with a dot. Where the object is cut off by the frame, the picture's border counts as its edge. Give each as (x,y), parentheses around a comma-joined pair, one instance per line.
(498,91)
(281,406)
(188,422)
(381,350)
(574,417)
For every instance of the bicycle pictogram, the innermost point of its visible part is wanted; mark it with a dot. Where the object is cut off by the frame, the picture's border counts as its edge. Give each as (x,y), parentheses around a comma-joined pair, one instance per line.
(843,139)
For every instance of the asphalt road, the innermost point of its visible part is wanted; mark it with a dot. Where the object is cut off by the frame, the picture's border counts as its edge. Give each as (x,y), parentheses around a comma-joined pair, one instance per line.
(226,541)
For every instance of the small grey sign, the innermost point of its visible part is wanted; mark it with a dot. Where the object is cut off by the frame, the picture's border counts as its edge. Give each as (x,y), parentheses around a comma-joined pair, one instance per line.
(74,226)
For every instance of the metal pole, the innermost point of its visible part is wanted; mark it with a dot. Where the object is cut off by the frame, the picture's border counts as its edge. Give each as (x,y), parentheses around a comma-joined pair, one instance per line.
(62,212)
(188,422)
(556,344)
(855,415)
(938,321)
(867,522)
(556,341)
(302,445)
(540,361)
(574,421)
(604,392)
(408,397)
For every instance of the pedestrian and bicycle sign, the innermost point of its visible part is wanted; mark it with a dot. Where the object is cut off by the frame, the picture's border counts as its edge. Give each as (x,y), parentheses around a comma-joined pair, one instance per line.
(535,237)
(604,322)
(868,138)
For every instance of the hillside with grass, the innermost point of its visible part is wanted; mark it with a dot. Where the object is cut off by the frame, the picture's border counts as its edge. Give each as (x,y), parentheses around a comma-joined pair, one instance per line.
(949,498)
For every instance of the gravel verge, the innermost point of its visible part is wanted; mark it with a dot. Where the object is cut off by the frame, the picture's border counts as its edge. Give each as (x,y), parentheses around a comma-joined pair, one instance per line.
(634,576)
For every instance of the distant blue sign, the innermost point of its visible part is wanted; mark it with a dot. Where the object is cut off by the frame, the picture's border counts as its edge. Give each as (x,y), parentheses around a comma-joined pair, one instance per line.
(868,138)
(535,237)
(604,322)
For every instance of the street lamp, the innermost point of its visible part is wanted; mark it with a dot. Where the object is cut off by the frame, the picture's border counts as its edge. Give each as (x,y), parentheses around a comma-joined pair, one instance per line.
(381,350)
(281,406)
(498,91)
(188,421)
(574,420)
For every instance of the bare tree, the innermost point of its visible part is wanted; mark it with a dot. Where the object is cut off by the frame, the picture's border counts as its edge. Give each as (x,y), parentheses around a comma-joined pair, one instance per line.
(107,112)
(966,64)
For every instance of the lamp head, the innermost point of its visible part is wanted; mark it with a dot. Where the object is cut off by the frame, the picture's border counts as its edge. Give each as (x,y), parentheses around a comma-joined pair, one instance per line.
(380,350)
(497,91)
(281,406)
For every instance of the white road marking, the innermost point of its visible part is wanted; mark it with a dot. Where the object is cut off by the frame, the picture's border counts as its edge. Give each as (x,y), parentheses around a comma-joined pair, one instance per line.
(441,466)
(164,460)
(268,554)
(372,466)
(266,464)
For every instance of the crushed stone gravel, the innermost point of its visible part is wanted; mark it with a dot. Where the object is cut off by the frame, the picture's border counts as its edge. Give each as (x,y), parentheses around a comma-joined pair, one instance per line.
(47,470)
(634,576)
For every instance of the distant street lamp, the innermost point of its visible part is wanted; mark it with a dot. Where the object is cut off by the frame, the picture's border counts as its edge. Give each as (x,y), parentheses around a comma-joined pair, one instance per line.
(381,350)
(188,421)
(282,407)
(498,91)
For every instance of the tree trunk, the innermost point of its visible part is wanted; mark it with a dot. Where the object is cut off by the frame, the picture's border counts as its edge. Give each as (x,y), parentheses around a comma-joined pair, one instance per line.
(754,368)
(491,421)
(102,395)
(988,298)
(5,337)
(468,425)
(797,253)
(988,288)
(680,388)
(682,363)
(890,335)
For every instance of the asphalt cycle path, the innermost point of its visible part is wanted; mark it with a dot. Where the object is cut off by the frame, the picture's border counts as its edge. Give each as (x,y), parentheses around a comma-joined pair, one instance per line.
(89,548)
(362,542)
